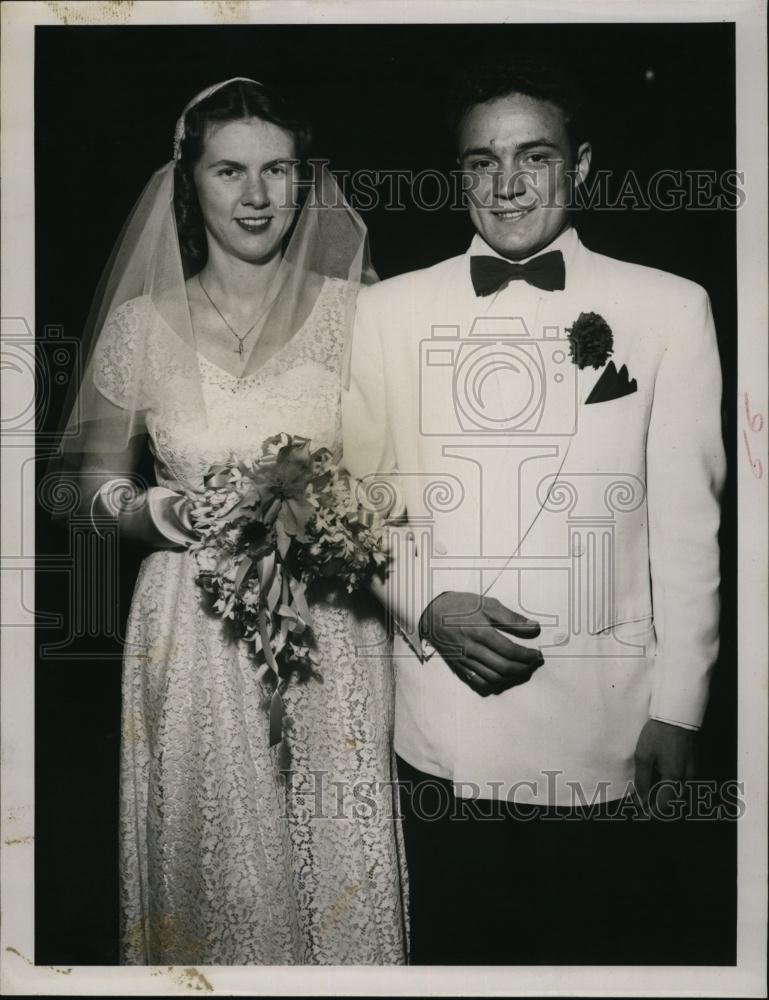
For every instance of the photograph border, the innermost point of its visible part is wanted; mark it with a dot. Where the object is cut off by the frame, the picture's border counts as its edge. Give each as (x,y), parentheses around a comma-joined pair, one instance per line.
(18,974)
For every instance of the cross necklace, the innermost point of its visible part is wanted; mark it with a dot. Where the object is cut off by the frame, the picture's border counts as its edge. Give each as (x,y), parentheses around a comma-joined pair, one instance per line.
(240,339)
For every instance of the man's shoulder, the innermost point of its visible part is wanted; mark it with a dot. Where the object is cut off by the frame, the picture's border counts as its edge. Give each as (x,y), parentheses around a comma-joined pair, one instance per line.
(655,286)
(414,284)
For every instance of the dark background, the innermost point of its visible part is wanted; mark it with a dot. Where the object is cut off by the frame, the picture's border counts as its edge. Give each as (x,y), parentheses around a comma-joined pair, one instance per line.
(106,100)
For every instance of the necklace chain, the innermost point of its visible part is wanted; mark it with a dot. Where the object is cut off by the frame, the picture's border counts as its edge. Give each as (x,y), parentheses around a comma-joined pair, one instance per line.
(240,338)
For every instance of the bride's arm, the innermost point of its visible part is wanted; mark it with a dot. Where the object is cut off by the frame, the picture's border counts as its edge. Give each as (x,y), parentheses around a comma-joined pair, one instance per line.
(152,515)
(111,438)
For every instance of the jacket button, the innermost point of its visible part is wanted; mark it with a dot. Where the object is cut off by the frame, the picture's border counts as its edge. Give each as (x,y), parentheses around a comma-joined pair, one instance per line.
(440,548)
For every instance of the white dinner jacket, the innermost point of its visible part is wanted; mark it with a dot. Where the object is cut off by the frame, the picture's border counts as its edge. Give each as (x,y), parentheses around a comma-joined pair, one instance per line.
(599,520)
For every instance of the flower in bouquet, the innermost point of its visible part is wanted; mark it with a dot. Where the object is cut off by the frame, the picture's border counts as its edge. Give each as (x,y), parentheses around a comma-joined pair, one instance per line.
(269,527)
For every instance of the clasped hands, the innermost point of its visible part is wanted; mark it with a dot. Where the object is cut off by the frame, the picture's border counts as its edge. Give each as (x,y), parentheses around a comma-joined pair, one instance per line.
(467,630)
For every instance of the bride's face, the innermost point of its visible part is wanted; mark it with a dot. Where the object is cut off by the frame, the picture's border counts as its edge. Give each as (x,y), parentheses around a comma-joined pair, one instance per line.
(246,181)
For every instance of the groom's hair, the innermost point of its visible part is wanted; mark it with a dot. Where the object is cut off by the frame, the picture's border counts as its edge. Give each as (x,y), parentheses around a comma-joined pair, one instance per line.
(501,75)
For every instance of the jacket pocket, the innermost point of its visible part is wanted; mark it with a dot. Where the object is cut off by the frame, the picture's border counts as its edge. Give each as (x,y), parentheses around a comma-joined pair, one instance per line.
(636,632)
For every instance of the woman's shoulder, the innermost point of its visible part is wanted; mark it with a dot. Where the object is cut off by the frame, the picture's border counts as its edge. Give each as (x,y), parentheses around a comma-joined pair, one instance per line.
(339,289)
(129,314)
(147,318)
(338,284)
(114,363)
(123,330)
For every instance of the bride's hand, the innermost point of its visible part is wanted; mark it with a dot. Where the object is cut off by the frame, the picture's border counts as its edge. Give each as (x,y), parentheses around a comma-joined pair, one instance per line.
(170,515)
(155,516)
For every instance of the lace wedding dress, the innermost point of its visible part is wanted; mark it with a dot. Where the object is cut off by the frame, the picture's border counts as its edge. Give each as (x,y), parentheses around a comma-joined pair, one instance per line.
(224,859)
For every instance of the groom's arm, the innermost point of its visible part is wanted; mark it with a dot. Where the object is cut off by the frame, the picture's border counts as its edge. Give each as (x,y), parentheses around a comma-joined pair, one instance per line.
(685,476)
(367,442)
(370,457)
(464,628)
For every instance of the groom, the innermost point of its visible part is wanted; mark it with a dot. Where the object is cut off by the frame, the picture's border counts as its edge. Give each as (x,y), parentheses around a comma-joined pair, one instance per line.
(550,418)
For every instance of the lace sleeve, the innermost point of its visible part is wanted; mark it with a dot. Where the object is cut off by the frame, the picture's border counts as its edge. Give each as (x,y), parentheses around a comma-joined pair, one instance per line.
(114,367)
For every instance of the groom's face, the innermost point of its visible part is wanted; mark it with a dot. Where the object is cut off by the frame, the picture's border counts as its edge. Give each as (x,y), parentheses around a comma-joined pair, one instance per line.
(516,156)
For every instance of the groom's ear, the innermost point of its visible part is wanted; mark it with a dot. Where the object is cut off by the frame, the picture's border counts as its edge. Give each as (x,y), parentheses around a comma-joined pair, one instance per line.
(582,163)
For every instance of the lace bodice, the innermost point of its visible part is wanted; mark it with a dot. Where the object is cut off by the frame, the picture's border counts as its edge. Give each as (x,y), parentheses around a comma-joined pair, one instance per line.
(296,390)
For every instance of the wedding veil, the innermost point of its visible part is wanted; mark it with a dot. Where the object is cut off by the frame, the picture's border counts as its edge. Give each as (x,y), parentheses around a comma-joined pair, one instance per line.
(144,282)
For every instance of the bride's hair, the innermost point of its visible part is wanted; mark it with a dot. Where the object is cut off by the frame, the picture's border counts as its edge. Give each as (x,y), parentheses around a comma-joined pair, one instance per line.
(233,102)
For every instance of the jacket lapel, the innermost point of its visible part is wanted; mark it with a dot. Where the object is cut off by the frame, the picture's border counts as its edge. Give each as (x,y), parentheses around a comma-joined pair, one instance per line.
(554,313)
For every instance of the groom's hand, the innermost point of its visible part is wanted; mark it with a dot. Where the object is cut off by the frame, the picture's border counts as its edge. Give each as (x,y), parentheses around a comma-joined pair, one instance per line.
(466,630)
(664,753)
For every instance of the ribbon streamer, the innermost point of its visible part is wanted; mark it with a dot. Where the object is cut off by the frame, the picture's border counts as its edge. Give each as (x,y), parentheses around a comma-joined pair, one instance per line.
(277,714)
(277,709)
(300,601)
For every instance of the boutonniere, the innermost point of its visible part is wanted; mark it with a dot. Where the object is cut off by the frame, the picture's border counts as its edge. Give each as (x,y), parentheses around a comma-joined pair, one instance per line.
(590,340)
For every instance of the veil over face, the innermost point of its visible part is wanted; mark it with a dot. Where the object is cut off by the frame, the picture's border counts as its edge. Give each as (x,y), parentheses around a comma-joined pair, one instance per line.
(147,274)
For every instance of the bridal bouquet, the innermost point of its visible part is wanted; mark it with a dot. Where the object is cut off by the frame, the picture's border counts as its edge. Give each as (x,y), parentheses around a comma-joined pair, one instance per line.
(269,527)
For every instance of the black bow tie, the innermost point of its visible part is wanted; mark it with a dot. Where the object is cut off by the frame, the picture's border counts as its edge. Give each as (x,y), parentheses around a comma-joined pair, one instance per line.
(491,273)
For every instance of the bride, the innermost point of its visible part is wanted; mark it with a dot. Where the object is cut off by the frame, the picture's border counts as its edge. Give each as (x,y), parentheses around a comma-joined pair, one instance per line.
(225,318)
